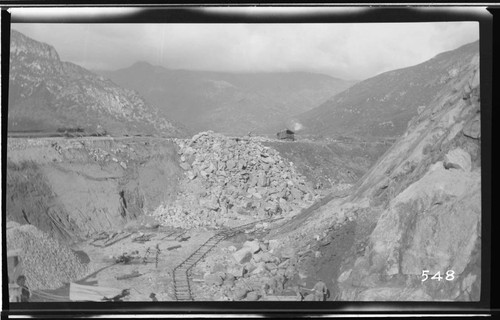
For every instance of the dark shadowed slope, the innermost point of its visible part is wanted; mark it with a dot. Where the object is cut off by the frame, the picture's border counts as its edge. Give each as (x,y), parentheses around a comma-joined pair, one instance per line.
(382,106)
(46,94)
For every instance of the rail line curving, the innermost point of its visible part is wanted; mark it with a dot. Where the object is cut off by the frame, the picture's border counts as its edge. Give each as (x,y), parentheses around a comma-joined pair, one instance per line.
(182,273)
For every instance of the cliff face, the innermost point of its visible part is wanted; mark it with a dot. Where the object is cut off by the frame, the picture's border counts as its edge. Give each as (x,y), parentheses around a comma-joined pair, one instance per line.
(428,187)
(418,210)
(46,93)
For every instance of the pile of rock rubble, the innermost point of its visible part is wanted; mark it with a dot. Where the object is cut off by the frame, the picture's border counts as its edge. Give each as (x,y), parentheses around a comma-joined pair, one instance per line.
(259,270)
(250,273)
(227,177)
(46,263)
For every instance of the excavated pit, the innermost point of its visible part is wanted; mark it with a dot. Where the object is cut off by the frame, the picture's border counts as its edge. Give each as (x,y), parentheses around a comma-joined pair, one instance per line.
(74,188)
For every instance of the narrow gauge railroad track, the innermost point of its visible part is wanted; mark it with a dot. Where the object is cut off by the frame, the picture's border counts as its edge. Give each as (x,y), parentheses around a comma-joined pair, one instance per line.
(182,273)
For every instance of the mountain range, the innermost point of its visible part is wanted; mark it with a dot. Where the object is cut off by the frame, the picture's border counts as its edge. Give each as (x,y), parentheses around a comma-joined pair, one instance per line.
(231,103)
(47,94)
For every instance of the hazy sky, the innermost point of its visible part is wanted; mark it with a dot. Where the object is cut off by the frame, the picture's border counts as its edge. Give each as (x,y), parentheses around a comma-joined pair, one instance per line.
(349,51)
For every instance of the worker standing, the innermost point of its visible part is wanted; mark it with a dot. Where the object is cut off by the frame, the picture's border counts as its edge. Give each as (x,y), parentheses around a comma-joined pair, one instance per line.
(25,293)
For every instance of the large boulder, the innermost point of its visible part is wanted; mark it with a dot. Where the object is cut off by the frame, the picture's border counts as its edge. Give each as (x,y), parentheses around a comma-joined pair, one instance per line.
(254,245)
(252,296)
(239,293)
(236,270)
(458,159)
(243,255)
(213,279)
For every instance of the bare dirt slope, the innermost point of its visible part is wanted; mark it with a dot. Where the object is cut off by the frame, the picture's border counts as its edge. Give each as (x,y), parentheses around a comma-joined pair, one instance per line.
(329,163)
(72,188)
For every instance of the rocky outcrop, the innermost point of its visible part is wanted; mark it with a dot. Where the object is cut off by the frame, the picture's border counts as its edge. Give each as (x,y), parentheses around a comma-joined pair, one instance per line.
(428,186)
(230,177)
(417,212)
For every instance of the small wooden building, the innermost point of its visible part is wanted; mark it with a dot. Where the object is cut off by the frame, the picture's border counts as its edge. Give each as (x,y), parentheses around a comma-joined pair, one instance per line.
(286,135)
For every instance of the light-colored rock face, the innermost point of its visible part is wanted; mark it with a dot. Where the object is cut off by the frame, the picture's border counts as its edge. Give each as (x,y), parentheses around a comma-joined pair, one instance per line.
(429,188)
(458,159)
(417,211)
(439,210)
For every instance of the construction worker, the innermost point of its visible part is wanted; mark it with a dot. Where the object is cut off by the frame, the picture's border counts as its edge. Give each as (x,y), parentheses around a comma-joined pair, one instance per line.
(25,293)
(320,291)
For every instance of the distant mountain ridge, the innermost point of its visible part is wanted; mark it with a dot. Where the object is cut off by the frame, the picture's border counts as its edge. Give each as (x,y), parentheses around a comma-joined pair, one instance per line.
(382,106)
(46,93)
(234,103)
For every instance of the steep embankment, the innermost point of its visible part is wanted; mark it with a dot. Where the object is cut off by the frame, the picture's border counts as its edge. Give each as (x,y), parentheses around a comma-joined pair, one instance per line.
(232,103)
(330,164)
(418,208)
(46,94)
(73,188)
(382,106)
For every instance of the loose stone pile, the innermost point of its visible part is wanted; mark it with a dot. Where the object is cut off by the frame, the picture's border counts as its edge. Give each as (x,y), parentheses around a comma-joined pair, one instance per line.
(46,263)
(256,271)
(227,177)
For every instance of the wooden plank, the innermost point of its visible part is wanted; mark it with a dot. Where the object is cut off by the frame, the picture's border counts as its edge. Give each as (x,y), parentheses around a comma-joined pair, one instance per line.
(281,298)
(129,275)
(78,292)
(107,244)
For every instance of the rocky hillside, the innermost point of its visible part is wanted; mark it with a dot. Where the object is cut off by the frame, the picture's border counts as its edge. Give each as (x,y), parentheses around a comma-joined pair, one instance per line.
(383,105)
(418,208)
(231,103)
(46,94)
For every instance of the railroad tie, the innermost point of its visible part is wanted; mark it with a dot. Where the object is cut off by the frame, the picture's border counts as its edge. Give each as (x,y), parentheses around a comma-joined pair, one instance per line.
(181,273)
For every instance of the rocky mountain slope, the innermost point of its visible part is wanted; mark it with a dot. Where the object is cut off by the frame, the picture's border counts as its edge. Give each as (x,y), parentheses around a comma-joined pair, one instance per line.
(233,103)
(47,94)
(418,208)
(382,106)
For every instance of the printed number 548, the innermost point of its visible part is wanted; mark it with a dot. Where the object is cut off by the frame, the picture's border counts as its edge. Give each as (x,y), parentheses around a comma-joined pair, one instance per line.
(450,275)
